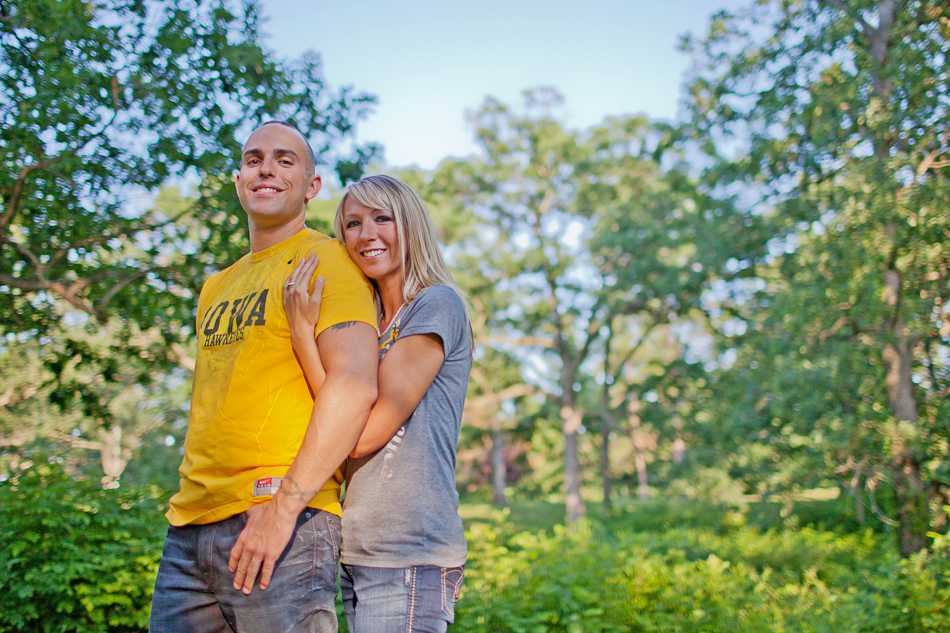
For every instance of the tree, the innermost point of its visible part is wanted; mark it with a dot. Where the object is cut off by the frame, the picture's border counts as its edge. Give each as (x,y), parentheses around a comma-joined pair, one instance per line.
(104,102)
(657,242)
(101,104)
(451,194)
(580,233)
(833,115)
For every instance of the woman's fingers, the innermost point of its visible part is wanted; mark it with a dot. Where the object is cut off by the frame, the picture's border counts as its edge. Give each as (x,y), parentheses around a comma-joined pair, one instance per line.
(317,295)
(307,269)
(299,278)
(299,302)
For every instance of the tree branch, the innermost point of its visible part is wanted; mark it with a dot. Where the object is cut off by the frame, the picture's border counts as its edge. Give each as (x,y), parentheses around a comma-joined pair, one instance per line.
(107,297)
(493,399)
(69,294)
(10,397)
(75,441)
(525,341)
(843,6)
(182,358)
(42,164)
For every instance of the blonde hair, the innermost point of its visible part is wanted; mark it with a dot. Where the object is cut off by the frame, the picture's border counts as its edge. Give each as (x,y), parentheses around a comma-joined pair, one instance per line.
(421,258)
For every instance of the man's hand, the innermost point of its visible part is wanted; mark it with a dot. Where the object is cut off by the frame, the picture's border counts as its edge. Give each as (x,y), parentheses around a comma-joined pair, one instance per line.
(340,409)
(260,544)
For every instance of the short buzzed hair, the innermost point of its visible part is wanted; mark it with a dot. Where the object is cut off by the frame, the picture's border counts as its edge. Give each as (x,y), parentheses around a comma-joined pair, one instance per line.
(310,157)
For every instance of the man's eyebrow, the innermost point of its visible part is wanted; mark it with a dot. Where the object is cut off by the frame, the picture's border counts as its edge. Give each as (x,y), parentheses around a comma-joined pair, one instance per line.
(286,152)
(277,152)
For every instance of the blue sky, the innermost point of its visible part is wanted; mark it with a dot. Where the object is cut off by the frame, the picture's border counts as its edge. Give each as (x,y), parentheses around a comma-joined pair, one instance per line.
(429,62)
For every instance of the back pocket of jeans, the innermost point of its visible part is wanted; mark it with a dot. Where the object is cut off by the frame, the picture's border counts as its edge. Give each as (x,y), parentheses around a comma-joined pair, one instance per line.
(452,578)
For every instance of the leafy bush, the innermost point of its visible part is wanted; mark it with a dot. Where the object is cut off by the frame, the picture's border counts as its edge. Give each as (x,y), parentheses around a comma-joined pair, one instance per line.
(75,557)
(593,579)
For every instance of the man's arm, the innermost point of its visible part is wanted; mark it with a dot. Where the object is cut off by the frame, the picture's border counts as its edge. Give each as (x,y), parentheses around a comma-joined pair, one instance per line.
(349,355)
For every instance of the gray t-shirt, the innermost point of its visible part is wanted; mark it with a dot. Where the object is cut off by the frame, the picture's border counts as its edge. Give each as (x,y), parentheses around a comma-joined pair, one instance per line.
(401,505)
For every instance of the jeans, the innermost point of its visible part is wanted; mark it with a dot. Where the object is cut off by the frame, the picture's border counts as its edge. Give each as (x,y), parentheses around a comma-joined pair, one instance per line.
(194,591)
(383,600)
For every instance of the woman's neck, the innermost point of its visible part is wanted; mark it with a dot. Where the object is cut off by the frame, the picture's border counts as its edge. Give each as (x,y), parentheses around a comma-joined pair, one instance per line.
(391,297)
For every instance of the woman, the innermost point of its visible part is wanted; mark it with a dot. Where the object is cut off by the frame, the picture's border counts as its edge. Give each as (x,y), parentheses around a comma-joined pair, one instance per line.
(403,544)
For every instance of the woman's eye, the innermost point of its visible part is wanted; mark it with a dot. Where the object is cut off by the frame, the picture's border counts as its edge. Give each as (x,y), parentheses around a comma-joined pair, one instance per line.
(352,224)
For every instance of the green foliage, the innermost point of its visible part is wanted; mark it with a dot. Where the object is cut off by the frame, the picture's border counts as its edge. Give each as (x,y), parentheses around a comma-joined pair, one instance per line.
(828,120)
(103,100)
(102,105)
(74,556)
(129,417)
(697,579)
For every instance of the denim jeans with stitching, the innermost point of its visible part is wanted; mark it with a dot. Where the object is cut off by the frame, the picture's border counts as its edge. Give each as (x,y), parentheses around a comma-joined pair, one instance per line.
(194,591)
(409,600)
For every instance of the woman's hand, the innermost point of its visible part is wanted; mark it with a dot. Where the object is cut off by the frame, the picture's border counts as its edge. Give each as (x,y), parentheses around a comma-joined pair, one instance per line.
(303,312)
(302,307)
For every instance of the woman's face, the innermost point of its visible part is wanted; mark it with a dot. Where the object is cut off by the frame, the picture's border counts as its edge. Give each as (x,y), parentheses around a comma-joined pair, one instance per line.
(371,241)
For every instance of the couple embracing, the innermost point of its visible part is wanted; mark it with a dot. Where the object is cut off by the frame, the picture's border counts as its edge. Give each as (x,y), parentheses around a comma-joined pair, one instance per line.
(321,362)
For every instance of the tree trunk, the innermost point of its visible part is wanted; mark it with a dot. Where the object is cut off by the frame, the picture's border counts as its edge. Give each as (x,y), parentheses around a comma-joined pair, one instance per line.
(114,457)
(855,489)
(571,421)
(909,490)
(913,507)
(641,462)
(679,450)
(499,468)
(605,462)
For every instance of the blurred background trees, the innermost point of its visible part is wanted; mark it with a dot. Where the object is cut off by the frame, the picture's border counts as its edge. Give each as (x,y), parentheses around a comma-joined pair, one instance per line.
(736,323)
(101,105)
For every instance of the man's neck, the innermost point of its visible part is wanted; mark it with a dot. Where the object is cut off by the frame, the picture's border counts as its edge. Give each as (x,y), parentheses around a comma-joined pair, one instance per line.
(263,237)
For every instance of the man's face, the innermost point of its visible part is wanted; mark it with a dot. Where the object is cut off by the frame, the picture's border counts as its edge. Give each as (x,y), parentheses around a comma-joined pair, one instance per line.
(274,184)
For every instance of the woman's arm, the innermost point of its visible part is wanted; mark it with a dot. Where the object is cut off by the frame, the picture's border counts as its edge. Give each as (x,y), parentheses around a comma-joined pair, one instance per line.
(303,311)
(405,375)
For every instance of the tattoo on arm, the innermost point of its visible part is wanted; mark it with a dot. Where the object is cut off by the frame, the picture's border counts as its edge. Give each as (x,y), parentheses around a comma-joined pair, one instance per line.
(344,325)
(293,490)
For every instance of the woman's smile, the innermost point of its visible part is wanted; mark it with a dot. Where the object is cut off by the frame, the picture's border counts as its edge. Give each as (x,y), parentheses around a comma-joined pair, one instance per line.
(372,241)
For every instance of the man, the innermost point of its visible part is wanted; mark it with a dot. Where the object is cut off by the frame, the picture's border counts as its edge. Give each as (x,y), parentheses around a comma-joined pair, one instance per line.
(259,497)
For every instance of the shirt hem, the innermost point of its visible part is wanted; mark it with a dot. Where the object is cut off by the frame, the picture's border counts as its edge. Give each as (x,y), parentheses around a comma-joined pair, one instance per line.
(179,519)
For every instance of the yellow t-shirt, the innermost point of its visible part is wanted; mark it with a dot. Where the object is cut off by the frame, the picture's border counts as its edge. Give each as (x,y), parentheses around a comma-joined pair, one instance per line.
(251,404)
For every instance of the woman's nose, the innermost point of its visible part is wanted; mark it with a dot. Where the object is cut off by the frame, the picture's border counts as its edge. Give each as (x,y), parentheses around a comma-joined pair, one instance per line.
(368,232)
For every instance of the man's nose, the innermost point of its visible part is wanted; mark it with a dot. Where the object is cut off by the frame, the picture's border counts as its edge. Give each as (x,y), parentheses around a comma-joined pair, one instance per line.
(268,167)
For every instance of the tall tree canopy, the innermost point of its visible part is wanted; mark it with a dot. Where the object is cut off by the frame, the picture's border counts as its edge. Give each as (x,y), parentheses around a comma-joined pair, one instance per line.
(832,117)
(102,102)
(581,233)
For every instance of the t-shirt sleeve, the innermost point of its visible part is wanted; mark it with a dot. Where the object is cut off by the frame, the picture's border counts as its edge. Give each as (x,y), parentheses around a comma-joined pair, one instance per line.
(438,310)
(347,294)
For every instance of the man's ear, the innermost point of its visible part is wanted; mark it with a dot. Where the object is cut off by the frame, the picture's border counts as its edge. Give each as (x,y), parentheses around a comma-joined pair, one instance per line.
(315,183)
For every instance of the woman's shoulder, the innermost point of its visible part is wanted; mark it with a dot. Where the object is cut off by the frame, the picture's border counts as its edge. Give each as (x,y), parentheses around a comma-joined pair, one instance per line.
(439,296)
(438,304)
